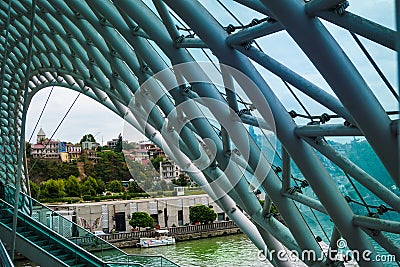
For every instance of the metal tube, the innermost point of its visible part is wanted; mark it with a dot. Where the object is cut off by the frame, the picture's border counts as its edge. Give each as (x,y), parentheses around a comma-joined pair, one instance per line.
(206,32)
(357,173)
(352,90)
(384,241)
(179,56)
(255,121)
(377,224)
(167,19)
(306,200)
(318,5)
(191,43)
(254,32)
(256,5)
(305,86)
(212,33)
(326,130)
(21,143)
(364,27)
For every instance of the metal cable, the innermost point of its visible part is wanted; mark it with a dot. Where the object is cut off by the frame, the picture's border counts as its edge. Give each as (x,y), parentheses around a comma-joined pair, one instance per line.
(238,21)
(358,192)
(308,226)
(58,126)
(41,114)
(376,67)
(296,180)
(298,100)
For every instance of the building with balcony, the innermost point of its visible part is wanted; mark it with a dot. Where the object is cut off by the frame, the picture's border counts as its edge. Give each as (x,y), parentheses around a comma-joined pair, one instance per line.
(106,215)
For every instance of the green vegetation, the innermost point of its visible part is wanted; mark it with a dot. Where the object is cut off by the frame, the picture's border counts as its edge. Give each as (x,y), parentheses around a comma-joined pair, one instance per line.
(90,186)
(35,190)
(118,146)
(273,209)
(54,181)
(363,155)
(115,186)
(134,188)
(156,162)
(42,170)
(52,188)
(72,187)
(87,137)
(201,214)
(141,219)
(182,180)
(110,166)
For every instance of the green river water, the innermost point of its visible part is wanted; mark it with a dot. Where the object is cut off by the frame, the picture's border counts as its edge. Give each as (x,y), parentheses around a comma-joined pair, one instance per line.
(233,250)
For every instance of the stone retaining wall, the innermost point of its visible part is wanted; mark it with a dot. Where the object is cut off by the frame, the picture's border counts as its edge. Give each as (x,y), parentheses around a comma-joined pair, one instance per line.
(181,237)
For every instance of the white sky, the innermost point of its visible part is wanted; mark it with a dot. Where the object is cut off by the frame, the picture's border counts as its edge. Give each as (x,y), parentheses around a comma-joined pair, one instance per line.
(87,116)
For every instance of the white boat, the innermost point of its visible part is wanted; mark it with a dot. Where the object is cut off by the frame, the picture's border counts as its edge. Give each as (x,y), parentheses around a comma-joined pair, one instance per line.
(161,239)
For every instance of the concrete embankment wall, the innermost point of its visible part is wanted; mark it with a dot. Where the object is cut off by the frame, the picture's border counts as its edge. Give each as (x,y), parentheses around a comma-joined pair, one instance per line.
(131,242)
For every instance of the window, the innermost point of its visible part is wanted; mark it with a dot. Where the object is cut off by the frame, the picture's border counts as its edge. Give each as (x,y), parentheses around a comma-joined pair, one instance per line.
(180,217)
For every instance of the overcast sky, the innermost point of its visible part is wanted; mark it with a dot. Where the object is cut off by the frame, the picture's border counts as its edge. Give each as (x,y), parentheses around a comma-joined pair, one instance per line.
(87,116)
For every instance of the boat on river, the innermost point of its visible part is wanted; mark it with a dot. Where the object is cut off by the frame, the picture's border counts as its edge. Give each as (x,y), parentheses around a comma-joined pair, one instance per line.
(162,238)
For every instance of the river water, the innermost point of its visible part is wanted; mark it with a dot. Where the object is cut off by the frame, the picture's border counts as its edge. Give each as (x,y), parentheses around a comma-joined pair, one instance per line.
(232,250)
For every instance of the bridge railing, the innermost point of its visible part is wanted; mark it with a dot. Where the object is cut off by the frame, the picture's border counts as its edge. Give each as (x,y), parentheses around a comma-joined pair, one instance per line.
(202,227)
(80,236)
(172,230)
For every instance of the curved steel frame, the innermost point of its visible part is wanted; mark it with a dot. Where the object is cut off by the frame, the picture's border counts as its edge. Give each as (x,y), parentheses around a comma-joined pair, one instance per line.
(108,49)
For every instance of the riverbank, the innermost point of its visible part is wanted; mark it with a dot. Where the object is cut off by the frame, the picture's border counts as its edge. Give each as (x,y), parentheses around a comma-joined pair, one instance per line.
(181,233)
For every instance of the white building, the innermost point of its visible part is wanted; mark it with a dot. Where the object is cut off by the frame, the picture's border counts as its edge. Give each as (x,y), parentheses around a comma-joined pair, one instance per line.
(166,212)
(170,170)
(88,145)
(45,148)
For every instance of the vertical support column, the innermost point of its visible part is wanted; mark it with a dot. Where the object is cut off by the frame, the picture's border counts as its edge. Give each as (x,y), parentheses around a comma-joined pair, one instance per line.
(21,146)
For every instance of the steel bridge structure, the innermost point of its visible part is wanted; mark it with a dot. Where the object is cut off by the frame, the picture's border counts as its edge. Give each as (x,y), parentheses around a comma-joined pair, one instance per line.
(193,76)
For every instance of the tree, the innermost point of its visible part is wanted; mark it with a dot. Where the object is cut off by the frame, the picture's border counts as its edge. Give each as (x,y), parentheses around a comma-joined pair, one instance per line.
(52,188)
(35,190)
(118,146)
(89,186)
(101,187)
(164,185)
(141,219)
(87,137)
(41,170)
(115,186)
(28,149)
(72,187)
(111,165)
(134,187)
(156,162)
(201,214)
(181,181)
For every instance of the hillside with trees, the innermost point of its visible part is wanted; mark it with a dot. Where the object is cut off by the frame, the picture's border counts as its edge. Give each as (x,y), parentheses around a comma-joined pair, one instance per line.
(52,180)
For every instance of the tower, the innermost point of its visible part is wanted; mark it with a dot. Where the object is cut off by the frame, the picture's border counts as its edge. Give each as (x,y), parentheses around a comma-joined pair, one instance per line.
(41,136)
